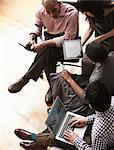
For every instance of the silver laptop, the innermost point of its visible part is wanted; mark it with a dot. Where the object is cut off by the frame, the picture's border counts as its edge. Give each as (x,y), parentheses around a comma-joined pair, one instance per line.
(57,121)
(72,49)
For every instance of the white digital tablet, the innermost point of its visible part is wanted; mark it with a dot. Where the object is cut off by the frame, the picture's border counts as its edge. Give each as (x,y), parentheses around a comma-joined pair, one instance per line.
(72,49)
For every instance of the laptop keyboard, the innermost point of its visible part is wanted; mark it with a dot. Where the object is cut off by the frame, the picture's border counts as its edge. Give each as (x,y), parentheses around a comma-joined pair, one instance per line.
(66,126)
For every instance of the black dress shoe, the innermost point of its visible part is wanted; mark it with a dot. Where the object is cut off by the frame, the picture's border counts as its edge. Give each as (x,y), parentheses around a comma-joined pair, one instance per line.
(17,86)
(26,145)
(49,98)
(23,134)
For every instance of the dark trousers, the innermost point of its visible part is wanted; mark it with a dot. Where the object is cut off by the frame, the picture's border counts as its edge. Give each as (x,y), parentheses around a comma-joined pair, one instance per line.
(45,60)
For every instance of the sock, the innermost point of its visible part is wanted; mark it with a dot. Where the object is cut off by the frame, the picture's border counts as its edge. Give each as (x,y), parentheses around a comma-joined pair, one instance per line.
(33,136)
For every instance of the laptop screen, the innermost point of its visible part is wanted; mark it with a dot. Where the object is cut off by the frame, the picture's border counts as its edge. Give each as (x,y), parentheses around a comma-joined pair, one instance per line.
(55,116)
(72,49)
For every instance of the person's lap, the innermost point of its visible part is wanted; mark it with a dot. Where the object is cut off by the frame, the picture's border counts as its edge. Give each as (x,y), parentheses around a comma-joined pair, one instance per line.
(69,98)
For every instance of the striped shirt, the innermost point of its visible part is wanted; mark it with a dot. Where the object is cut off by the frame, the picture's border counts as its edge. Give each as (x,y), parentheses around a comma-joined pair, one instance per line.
(102,132)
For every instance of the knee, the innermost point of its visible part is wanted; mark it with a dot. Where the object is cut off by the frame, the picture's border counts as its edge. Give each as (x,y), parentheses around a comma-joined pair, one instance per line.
(87,66)
(45,139)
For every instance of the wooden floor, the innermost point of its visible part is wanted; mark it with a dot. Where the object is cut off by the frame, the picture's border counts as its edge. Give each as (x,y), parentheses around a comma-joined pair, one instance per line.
(25,109)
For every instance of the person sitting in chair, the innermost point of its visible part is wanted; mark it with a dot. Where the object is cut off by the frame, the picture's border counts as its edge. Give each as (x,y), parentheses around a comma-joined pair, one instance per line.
(63,83)
(60,21)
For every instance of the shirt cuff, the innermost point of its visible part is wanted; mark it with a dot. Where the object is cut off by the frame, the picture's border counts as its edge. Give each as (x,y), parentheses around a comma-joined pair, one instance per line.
(78,142)
(91,118)
(32,33)
(81,144)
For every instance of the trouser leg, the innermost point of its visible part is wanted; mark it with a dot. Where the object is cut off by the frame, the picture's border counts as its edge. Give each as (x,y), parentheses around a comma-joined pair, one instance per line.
(36,67)
(42,141)
(47,139)
(45,60)
(55,54)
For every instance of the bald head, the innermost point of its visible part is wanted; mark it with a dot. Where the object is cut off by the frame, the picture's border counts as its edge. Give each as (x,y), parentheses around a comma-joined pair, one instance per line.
(48,1)
(52,7)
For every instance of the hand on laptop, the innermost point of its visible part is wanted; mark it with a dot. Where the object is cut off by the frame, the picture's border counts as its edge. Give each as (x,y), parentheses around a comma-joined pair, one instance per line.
(78,121)
(70,136)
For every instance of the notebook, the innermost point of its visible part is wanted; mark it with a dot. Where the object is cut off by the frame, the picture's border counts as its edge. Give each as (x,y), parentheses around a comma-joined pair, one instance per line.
(57,121)
(72,49)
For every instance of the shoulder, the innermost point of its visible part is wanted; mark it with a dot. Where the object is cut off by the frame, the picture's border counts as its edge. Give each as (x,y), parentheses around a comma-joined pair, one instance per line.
(69,9)
(109,11)
(111,54)
(40,10)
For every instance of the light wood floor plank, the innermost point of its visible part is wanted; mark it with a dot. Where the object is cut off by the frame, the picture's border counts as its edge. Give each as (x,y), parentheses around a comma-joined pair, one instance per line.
(27,108)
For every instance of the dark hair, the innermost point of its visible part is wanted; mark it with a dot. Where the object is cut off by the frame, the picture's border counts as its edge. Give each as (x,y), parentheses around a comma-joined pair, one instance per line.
(96,52)
(98,96)
(96,7)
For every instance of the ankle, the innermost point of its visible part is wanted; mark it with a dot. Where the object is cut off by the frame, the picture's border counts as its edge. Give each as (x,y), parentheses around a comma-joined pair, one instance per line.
(33,136)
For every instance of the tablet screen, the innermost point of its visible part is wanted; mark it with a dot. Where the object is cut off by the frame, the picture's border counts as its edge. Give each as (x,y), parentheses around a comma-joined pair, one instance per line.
(72,49)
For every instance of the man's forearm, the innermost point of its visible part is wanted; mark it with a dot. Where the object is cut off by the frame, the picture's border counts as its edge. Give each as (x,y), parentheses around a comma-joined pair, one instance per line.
(87,35)
(77,89)
(50,43)
(105,36)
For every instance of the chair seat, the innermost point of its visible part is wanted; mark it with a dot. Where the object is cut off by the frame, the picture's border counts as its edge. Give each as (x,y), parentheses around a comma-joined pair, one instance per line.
(70,63)
(71,60)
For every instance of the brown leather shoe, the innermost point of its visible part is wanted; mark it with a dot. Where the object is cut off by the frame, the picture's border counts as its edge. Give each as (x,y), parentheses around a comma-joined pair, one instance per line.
(23,134)
(17,86)
(49,98)
(26,145)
